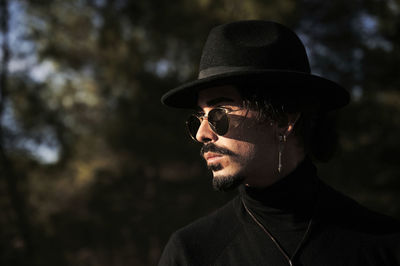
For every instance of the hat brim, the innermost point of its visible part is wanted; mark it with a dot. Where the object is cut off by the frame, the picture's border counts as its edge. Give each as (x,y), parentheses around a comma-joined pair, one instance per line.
(298,88)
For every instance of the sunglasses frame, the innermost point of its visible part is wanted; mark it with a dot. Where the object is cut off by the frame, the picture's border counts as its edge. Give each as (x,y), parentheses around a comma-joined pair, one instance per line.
(202,117)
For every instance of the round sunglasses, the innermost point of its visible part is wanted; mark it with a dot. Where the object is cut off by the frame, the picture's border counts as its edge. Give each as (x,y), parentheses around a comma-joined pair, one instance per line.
(217,119)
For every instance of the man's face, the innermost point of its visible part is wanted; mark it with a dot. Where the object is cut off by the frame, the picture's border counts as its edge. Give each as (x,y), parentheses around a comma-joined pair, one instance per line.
(247,153)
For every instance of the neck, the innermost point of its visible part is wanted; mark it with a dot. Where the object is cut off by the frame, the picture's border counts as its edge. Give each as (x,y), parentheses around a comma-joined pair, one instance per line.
(286,208)
(290,161)
(294,194)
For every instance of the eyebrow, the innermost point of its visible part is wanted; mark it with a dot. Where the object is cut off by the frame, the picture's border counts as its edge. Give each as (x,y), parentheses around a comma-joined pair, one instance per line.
(214,102)
(218,100)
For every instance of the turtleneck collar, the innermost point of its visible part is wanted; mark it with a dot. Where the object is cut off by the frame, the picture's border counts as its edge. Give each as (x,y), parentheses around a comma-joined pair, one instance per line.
(287,204)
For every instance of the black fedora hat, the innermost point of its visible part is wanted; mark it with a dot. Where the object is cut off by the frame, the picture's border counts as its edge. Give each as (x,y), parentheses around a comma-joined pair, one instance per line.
(263,54)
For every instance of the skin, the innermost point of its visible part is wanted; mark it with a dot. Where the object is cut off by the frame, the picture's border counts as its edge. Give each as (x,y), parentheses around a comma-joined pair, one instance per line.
(253,146)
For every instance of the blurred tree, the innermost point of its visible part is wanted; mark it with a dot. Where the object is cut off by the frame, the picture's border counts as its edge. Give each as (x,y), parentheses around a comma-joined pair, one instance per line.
(15,226)
(125,175)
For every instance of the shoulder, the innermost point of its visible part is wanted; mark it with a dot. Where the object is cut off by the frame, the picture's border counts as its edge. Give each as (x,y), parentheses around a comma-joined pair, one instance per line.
(349,214)
(355,231)
(203,240)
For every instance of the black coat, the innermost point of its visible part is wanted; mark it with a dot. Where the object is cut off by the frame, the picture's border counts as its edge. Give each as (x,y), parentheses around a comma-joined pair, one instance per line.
(342,233)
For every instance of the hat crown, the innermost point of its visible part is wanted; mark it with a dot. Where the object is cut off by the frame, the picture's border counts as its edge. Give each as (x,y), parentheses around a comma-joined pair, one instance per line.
(252,44)
(263,55)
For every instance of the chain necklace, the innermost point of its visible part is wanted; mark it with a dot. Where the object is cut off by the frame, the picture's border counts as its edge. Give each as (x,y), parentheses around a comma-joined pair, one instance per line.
(280,248)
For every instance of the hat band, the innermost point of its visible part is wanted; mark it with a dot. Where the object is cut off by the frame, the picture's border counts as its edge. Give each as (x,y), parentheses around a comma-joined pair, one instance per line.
(212,71)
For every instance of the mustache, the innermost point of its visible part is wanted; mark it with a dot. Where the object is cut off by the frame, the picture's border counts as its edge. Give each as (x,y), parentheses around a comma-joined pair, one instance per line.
(210,147)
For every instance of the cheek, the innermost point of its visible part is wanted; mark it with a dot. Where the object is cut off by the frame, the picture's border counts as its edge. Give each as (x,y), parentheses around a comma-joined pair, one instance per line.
(264,147)
(246,151)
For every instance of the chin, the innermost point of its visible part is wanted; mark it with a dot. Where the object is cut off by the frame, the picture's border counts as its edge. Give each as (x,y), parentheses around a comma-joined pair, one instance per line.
(224,180)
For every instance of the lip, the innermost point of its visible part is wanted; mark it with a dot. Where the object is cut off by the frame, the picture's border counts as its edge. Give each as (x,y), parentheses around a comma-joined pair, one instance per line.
(210,156)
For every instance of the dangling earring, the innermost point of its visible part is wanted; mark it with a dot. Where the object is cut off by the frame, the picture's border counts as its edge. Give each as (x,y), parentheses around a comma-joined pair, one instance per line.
(282,140)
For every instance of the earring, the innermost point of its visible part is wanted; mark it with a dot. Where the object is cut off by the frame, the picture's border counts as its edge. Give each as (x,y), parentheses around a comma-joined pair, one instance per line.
(282,140)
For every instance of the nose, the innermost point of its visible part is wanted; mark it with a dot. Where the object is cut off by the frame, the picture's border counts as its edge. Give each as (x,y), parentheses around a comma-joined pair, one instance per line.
(205,133)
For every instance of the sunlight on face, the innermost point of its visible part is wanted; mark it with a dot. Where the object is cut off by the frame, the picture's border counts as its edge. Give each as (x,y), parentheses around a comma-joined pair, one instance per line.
(246,152)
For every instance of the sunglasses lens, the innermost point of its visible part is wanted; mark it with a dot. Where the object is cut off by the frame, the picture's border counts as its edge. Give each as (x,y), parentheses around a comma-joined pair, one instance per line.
(219,121)
(193,124)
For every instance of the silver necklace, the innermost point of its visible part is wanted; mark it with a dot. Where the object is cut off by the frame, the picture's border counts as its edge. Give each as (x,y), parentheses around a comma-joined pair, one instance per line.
(281,250)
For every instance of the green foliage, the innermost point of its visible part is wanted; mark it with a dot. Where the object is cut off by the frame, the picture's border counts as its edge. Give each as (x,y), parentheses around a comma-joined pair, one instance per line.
(127,175)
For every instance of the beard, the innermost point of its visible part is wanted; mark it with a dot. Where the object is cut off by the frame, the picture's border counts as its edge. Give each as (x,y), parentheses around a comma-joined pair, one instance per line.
(227,183)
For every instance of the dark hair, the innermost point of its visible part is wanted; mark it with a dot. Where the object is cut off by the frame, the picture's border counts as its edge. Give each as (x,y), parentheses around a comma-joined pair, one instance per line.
(315,131)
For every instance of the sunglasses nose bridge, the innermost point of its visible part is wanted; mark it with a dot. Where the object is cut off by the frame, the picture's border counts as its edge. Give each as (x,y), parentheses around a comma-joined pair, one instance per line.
(205,131)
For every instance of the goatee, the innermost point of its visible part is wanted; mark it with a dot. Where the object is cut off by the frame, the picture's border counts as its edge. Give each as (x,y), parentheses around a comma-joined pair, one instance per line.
(221,183)
(227,183)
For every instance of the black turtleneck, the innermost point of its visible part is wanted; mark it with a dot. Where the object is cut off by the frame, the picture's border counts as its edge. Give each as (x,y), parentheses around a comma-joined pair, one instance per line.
(286,207)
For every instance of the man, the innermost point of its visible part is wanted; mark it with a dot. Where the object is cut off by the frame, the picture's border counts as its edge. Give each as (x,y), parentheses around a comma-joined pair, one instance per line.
(261,116)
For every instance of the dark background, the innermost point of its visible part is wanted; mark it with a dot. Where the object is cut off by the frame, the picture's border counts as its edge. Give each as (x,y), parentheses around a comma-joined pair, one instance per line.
(95,171)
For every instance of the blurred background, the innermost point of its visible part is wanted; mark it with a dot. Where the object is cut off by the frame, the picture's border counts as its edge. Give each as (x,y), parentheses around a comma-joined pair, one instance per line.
(95,171)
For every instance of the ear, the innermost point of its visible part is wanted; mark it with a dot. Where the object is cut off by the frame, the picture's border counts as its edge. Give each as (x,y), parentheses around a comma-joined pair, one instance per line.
(292,119)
